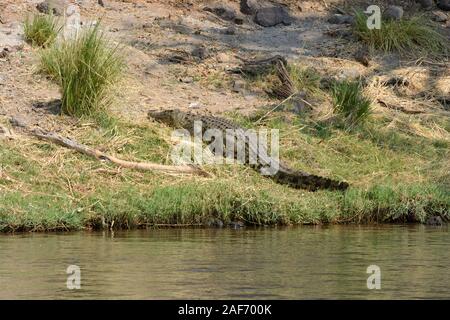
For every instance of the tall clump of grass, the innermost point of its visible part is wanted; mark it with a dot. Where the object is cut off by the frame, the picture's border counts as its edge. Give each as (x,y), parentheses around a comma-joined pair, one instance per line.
(304,78)
(86,68)
(413,35)
(349,101)
(41,30)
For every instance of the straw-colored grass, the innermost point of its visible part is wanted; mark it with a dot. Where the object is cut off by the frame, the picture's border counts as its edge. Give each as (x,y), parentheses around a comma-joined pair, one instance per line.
(394,176)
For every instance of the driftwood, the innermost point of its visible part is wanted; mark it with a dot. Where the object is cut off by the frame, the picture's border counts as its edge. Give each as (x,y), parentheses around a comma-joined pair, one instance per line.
(258,67)
(398,108)
(145,166)
(281,89)
(286,88)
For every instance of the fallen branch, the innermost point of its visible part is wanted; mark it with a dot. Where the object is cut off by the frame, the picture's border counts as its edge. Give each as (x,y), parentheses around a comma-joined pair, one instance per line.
(145,166)
(398,108)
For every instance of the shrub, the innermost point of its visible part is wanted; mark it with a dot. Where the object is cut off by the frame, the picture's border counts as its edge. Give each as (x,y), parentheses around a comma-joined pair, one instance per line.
(349,101)
(41,30)
(304,78)
(413,35)
(85,67)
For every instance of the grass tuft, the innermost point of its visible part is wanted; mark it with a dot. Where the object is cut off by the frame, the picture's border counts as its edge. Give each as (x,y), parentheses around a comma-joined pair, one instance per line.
(349,101)
(41,30)
(305,78)
(405,36)
(86,68)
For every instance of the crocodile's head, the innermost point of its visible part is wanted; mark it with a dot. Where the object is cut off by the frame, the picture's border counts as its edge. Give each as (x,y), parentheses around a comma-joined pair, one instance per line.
(168,117)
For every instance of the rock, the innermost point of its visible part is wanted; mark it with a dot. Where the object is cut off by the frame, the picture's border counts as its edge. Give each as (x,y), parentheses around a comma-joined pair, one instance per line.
(200,52)
(236,224)
(222,11)
(213,222)
(18,121)
(394,13)
(434,221)
(72,22)
(4,53)
(56,7)
(426,4)
(71,10)
(363,56)
(11,37)
(439,16)
(239,86)
(187,79)
(195,105)
(249,6)
(272,16)
(230,31)
(444,5)
(239,20)
(341,19)
(223,57)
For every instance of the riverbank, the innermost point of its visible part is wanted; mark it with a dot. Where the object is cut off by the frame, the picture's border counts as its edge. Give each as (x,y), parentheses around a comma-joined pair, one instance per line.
(396,161)
(394,177)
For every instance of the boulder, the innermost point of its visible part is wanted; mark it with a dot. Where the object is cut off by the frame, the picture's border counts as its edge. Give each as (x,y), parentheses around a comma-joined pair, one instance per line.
(18,121)
(249,6)
(272,16)
(72,23)
(444,5)
(200,52)
(393,13)
(230,31)
(222,11)
(341,19)
(239,86)
(56,7)
(434,221)
(426,4)
(11,38)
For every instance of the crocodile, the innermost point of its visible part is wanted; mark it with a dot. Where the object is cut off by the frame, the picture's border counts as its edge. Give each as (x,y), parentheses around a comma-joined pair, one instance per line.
(284,175)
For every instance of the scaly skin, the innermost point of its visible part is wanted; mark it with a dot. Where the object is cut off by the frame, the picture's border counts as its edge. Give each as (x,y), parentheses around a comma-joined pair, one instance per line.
(285,175)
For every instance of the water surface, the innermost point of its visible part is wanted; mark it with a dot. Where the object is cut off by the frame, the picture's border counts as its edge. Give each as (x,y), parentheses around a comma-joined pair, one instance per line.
(269,263)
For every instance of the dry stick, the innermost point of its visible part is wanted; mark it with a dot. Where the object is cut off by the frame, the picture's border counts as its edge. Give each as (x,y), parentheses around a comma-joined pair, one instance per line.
(286,80)
(398,108)
(274,108)
(145,166)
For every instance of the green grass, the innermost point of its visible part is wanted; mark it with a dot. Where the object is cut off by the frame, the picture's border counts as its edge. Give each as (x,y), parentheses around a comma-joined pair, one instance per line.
(86,68)
(305,78)
(41,30)
(349,102)
(395,177)
(408,36)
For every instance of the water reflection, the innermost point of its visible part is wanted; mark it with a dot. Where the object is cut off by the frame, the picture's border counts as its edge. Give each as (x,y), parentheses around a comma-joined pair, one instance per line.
(288,263)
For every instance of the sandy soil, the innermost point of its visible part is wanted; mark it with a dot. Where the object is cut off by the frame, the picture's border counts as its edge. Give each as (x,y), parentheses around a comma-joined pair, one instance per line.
(152,31)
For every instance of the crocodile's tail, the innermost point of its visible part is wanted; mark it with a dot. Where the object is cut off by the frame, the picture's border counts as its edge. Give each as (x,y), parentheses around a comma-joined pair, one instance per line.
(303,180)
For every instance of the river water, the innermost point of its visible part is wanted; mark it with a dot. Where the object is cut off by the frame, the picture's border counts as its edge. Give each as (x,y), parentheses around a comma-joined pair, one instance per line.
(269,263)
